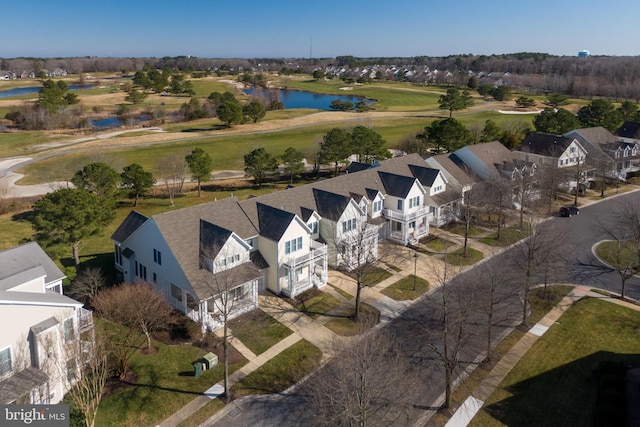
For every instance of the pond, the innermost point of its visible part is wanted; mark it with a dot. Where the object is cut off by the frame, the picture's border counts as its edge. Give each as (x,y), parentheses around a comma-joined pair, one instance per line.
(17,91)
(302,99)
(112,122)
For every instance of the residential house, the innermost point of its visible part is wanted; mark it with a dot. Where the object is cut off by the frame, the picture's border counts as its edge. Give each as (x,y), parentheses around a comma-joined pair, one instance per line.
(564,153)
(192,255)
(612,155)
(45,333)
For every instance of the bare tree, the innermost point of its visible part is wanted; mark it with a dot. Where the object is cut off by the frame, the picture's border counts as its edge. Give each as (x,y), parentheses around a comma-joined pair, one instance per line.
(89,362)
(495,195)
(367,383)
(227,292)
(524,190)
(549,181)
(540,247)
(87,284)
(141,310)
(362,258)
(495,297)
(172,171)
(624,231)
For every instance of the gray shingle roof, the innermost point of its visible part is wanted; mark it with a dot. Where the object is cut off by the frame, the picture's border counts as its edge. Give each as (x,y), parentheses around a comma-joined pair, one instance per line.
(425,175)
(545,144)
(212,239)
(273,222)
(130,224)
(24,258)
(396,185)
(21,383)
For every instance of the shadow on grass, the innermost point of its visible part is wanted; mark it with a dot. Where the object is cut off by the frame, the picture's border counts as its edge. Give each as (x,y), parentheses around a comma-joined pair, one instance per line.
(567,392)
(205,129)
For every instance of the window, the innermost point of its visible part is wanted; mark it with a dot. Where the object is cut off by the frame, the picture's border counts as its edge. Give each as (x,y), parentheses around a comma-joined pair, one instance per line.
(400,204)
(251,242)
(314,227)
(143,272)
(634,151)
(414,201)
(377,206)
(617,153)
(293,245)
(5,361)
(238,293)
(157,257)
(176,292)
(626,152)
(572,149)
(137,272)
(118,252)
(68,330)
(349,225)
(155,278)
(396,226)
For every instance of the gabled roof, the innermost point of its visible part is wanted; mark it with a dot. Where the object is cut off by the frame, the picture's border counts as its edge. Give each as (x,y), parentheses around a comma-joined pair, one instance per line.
(21,383)
(598,141)
(131,223)
(545,144)
(426,176)
(273,222)
(212,239)
(357,167)
(629,130)
(330,205)
(493,155)
(444,163)
(396,185)
(24,258)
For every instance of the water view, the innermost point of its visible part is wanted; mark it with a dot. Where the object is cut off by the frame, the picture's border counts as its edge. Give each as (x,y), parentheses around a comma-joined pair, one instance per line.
(17,91)
(302,99)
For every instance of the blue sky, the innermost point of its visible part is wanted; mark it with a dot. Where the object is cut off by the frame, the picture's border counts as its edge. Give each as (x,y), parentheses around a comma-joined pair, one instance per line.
(287,28)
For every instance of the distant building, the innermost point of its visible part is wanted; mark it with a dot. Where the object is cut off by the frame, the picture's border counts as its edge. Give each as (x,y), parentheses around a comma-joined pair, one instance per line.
(583,54)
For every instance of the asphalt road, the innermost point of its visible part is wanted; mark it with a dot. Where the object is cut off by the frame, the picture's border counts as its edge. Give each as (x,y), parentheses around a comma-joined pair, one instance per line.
(419,326)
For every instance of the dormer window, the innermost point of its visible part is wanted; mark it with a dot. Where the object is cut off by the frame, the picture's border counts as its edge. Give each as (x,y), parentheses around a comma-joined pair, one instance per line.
(314,227)
(617,154)
(626,152)
(377,206)
(572,150)
(634,150)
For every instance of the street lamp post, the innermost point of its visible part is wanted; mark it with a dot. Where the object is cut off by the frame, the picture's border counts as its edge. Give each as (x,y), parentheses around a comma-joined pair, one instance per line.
(415,264)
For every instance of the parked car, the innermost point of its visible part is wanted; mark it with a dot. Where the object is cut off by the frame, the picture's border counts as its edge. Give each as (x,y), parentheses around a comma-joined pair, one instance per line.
(569,210)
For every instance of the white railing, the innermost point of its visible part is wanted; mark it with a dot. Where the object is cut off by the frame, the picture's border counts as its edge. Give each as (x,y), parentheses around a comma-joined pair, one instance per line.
(317,250)
(405,217)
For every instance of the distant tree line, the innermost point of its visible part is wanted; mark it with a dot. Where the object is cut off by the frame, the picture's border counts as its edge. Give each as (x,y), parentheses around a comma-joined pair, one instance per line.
(614,77)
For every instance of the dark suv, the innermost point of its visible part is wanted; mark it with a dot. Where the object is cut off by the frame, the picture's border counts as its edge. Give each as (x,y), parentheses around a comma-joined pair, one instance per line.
(569,210)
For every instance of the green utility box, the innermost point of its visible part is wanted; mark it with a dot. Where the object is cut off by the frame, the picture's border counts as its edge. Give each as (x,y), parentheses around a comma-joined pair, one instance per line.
(209,360)
(197,368)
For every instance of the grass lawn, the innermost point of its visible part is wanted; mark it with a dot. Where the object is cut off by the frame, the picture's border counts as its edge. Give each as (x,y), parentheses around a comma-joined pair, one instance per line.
(375,275)
(281,372)
(403,289)
(540,305)
(557,373)
(456,257)
(508,236)
(436,244)
(165,384)
(314,303)
(345,326)
(258,331)
(623,256)
(460,228)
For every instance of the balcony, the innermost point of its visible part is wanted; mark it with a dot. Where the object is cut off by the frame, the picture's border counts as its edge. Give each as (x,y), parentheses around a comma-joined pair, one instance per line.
(317,250)
(405,217)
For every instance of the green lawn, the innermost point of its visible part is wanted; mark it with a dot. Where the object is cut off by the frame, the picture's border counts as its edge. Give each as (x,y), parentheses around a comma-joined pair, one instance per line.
(403,289)
(281,372)
(625,255)
(375,275)
(557,373)
(436,244)
(258,331)
(165,384)
(314,303)
(460,230)
(508,236)
(345,325)
(456,257)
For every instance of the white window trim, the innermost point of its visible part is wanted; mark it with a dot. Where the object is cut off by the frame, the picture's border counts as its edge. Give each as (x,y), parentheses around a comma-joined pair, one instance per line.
(10,361)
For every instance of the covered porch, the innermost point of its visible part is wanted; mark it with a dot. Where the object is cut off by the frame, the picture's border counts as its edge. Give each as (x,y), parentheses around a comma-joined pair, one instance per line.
(305,271)
(408,229)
